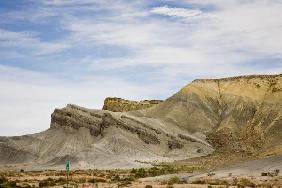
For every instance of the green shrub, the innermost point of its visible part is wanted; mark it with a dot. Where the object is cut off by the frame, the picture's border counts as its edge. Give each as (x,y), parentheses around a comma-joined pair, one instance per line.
(92,180)
(244,182)
(25,186)
(3,180)
(82,180)
(96,180)
(174,180)
(43,183)
(102,180)
(47,182)
(169,186)
(128,178)
(12,184)
(115,178)
(140,173)
(61,180)
(124,183)
(154,171)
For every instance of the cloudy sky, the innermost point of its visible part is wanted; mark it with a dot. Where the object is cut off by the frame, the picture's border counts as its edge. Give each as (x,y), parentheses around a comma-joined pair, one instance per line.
(55,52)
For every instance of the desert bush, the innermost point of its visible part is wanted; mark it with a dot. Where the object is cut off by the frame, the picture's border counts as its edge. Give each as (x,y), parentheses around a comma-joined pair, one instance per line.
(82,180)
(43,183)
(123,180)
(96,180)
(102,180)
(174,180)
(211,174)
(92,180)
(169,169)
(140,173)
(25,185)
(3,179)
(169,186)
(47,182)
(123,184)
(154,171)
(11,184)
(128,178)
(276,172)
(244,182)
(61,180)
(148,186)
(115,178)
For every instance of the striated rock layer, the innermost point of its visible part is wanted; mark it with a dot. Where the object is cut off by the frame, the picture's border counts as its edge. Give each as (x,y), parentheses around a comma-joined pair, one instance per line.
(238,114)
(121,105)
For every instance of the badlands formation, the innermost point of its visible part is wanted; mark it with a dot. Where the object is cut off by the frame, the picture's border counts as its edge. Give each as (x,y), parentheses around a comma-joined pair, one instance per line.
(206,117)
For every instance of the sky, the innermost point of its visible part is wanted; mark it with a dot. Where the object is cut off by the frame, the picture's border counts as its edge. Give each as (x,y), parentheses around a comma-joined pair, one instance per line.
(56,52)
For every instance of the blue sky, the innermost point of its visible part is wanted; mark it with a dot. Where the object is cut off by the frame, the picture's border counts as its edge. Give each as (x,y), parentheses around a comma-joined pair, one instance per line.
(55,52)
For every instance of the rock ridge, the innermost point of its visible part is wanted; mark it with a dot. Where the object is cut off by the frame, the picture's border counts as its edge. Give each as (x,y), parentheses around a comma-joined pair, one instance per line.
(122,105)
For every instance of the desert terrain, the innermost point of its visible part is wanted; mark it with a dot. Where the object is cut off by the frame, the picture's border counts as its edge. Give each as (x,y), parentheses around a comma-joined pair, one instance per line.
(212,133)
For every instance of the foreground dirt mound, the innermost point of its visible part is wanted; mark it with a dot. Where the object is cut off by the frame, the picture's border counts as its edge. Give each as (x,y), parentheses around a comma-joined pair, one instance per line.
(121,105)
(239,114)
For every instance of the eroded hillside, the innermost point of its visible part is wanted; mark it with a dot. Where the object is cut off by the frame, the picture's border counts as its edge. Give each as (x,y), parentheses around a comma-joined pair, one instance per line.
(241,114)
(238,114)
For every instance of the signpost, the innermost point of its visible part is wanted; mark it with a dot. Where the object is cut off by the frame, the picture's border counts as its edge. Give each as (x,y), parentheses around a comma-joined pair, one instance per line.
(68,170)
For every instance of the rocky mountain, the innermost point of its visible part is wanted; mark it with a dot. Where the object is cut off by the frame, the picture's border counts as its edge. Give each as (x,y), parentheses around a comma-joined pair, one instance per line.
(238,114)
(121,105)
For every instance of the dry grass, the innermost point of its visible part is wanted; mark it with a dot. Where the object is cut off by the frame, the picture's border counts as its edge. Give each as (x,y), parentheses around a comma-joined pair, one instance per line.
(124,178)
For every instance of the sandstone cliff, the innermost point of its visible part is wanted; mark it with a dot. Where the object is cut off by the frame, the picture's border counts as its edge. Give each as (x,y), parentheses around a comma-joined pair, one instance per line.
(238,114)
(121,105)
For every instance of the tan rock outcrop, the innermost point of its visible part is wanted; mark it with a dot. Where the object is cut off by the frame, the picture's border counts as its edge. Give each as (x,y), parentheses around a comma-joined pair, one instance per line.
(121,105)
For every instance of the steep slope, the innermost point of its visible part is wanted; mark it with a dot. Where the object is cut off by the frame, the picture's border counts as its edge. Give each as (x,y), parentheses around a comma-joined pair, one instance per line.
(238,114)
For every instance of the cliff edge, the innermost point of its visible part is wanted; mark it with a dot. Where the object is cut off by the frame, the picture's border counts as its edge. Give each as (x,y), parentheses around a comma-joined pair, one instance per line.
(121,105)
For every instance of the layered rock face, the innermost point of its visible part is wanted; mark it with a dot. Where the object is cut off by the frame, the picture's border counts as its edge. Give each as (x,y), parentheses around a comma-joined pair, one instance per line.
(242,114)
(100,139)
(121,105)
(238,114)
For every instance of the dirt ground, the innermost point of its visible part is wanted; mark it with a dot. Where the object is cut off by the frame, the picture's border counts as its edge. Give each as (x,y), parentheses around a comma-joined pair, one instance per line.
(123,178)
(211,171)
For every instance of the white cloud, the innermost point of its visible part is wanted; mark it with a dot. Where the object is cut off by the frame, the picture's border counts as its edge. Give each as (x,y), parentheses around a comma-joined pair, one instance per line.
(126,34)
(229,39)
(177,12)
(29,42)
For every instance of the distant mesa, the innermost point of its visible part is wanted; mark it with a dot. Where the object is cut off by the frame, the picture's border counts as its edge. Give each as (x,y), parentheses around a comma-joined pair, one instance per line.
(115,104)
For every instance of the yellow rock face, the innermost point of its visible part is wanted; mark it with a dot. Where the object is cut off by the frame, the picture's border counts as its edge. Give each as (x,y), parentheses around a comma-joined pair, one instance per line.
(239,113)
(121,105)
